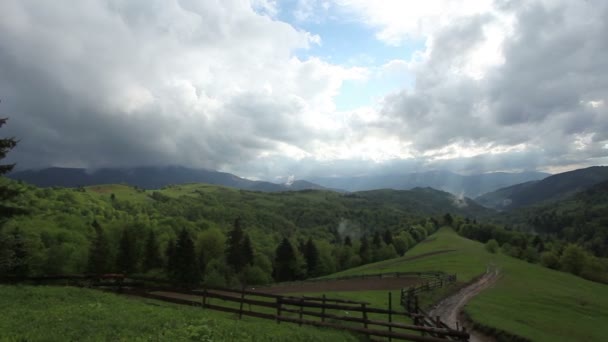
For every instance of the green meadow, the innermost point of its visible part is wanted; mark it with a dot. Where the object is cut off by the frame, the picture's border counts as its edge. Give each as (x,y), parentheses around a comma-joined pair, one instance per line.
(528,300)
(71,314)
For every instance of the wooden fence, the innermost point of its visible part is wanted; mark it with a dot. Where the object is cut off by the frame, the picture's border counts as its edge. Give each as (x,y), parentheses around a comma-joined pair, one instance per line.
(348,315)
(409,301)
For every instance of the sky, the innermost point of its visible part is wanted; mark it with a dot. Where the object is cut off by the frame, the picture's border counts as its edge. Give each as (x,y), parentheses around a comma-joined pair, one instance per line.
(302,88)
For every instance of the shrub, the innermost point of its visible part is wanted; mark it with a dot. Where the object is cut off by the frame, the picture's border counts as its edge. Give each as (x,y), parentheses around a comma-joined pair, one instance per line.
(492,246)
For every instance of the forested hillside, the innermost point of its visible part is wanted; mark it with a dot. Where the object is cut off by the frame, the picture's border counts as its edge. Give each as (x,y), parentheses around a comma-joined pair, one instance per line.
(225,235)
(553,188)
(581,219)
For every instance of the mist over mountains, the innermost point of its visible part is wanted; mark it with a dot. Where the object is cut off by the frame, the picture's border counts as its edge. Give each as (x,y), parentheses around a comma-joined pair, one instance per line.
(469,186)
(158,177)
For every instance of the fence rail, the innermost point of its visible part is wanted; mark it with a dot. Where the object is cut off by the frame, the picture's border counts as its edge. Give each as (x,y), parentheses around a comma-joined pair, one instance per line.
(348,315)
(409,300)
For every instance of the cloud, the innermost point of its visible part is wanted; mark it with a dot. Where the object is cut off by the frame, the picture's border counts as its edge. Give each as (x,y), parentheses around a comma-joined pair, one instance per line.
(498,85)
(543,94)
(199,83)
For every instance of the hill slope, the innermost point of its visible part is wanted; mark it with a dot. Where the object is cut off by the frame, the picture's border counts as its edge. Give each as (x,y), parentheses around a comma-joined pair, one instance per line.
(528,300)
(471,185)
(72,314)
(552,188)
(581,218)
(149,178)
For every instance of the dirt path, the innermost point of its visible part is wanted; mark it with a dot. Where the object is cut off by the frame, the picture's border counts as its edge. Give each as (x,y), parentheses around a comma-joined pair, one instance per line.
(450,308)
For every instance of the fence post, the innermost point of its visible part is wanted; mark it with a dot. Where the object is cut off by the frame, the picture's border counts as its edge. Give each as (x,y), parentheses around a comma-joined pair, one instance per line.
(241,305)
(278,310)
(301,308)
(204,297)
(390,314)
(323,310)
(364,310)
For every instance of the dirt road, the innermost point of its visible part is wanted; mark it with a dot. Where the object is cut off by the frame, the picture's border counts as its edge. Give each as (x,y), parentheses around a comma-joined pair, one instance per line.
(450,308)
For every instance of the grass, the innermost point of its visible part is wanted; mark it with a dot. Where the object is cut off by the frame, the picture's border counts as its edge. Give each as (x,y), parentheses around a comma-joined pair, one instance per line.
(71,314)
(528,300)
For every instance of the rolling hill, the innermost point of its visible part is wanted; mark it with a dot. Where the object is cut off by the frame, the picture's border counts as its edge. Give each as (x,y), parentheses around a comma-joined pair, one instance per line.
(149,178)
(528,300)
(550,189)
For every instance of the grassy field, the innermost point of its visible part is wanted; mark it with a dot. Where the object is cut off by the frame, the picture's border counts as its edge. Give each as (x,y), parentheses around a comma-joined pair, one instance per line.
(529,300)
(71,314)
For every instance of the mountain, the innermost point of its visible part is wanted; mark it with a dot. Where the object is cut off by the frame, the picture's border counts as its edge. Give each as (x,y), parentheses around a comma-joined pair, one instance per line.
(552,188)
(581,218)
(425,201)
(470,186)
(149,178)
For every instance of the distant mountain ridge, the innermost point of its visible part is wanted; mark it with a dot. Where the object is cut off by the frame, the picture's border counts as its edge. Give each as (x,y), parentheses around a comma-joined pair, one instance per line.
(150,178)
(470,186)
(553,188)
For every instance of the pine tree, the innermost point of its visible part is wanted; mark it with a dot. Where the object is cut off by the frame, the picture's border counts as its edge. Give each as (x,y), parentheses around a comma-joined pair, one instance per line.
(7,192)
(234,249)
(377,241)
(98,252)
(348,241)
(126,261)
(388,237)
(18,263)
(152,258)
(247,250)
(187,271)
(364,250)
(311,254)
(285,263)
(171,265)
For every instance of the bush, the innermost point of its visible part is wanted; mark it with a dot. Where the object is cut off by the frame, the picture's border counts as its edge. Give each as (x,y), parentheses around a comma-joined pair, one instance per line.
(492,246)
(550,260)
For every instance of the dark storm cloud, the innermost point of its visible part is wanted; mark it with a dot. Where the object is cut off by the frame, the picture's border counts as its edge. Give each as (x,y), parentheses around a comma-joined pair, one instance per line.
(123,83)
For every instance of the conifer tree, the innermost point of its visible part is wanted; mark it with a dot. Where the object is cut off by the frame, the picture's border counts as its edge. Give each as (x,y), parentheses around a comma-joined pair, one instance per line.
(98,252)
(170,266)
(126,260)
(187,271)
(152,258)
(311,254)
(285,262)
(364,250)
(348,241)
(234,250)
(247,250)
(387,237)
(7,192)
(377,241)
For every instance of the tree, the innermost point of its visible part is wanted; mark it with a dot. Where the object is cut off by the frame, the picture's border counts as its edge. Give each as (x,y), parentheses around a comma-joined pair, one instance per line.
(247,250)
(492,246)
(364,250)
(347,241)
(171,265)
(573,259)
(448,220)
(187,271)
(285,262)
(126,261)
(98,251)
(387,237)
(7,192)
(235,256)
(152,258)
(377,241)
(311,254)
(17,262)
